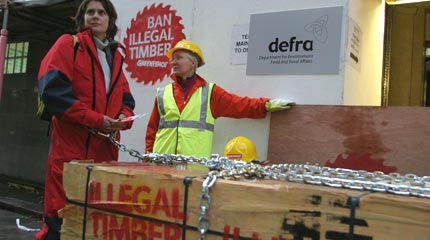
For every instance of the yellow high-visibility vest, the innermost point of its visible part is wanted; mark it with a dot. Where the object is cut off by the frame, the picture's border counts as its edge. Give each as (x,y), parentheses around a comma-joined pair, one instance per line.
(188,133)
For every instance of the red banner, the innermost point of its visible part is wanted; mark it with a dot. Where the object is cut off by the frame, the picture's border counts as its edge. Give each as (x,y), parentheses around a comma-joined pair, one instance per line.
(150,35)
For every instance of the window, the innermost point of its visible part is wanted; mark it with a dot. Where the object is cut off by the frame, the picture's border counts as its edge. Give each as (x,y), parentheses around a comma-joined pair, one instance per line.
(16,58)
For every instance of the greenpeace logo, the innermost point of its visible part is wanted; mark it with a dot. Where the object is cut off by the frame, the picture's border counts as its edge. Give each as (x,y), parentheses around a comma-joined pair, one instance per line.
(293,45)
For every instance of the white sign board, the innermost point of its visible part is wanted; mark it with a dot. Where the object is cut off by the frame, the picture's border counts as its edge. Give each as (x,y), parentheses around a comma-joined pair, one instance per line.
(239,44)
(295,42)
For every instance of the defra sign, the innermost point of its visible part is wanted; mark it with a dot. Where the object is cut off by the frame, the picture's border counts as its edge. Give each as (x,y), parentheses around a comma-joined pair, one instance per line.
(295,42)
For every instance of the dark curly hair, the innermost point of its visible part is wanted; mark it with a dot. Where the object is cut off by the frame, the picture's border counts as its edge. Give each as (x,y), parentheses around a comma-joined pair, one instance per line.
(79,18)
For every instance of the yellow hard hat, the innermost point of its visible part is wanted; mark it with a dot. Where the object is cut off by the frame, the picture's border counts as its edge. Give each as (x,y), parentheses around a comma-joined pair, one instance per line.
(241,148)
(190,46)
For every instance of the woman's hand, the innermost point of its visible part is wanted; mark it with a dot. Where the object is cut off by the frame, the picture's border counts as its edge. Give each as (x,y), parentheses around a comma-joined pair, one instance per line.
(113,125)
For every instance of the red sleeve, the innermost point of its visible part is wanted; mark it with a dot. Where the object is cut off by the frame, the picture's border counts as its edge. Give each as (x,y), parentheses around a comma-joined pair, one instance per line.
(225,104)
(55,83)
(59,56)
(128,102)
(152,128)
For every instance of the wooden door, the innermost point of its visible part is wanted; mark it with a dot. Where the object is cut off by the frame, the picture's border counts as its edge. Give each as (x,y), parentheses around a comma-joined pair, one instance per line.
(406,86)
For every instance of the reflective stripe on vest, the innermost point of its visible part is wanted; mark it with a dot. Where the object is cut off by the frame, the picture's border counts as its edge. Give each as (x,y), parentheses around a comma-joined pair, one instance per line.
(190,132)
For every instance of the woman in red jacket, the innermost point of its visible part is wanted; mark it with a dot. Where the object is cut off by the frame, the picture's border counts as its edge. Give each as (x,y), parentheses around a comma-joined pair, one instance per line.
(83,87)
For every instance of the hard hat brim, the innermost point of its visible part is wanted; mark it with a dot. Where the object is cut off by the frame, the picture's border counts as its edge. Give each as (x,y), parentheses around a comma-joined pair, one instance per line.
(169,54)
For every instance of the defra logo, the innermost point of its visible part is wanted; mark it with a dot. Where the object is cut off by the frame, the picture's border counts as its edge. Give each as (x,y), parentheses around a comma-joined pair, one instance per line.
(317,28)
(293,45)
(150,35)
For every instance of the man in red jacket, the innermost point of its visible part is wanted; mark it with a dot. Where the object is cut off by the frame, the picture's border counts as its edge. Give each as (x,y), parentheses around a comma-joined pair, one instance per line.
(83,88)
(184,113)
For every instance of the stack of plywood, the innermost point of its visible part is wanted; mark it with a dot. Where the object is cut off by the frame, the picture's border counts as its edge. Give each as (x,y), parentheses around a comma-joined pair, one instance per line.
(139,201)
(387,139)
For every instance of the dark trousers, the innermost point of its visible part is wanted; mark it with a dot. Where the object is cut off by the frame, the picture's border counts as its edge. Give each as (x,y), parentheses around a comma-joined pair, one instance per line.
(54,225)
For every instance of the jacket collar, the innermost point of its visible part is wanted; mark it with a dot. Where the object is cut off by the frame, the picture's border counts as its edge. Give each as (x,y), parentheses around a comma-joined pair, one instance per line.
(199,80)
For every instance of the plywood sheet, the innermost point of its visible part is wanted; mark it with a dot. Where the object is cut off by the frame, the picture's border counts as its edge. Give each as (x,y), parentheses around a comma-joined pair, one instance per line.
(388,139)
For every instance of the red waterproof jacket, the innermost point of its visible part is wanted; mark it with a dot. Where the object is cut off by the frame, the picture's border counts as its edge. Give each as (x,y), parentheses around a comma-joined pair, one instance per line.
(72,86)
(223,104)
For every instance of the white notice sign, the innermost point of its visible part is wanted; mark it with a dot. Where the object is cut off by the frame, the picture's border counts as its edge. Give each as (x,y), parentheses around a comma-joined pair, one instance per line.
(354,44)
(239,44)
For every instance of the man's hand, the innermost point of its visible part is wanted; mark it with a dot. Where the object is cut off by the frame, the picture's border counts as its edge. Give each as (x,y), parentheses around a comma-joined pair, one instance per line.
(278,104)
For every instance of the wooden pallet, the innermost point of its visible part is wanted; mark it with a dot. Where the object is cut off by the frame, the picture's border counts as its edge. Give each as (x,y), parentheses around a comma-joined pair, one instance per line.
(140,201)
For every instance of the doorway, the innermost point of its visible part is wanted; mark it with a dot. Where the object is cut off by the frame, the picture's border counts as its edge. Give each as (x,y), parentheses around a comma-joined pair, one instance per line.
(406,78)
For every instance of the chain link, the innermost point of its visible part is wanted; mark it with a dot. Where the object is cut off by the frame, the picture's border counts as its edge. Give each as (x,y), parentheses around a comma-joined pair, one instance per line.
(205,202)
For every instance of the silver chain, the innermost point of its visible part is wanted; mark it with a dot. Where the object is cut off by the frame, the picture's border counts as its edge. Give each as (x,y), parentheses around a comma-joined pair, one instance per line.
(205,202)
(222,167)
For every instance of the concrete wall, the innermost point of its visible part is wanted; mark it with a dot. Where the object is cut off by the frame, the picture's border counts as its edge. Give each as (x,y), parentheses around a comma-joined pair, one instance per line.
(210,24)
(23,143)
(363,86)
